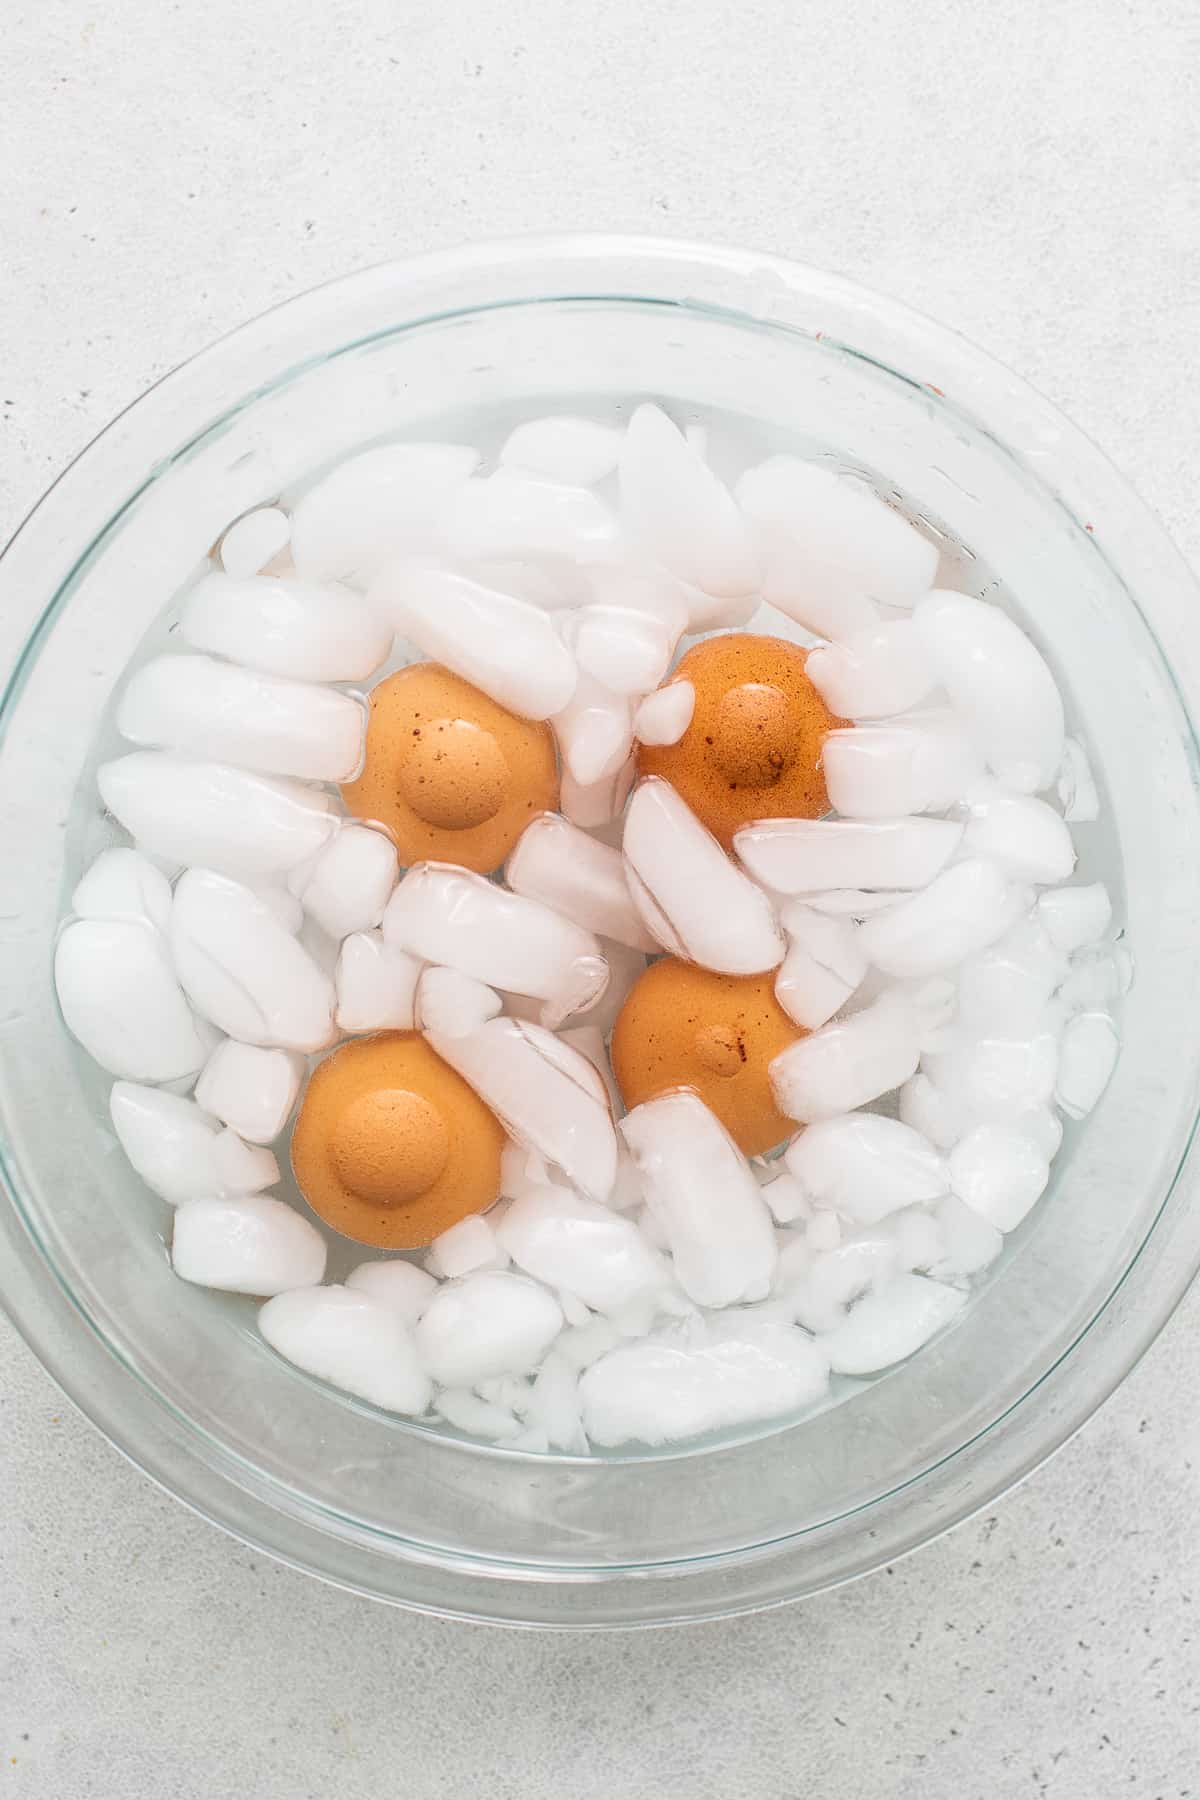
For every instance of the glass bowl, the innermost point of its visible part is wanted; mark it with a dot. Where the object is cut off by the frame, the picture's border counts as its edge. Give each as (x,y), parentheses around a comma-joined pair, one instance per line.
(176,1377)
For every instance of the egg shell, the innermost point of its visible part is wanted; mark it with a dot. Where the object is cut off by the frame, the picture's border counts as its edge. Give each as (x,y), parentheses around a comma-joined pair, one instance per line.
(686,1027)
(392,1147)
(454,776)
(753,747)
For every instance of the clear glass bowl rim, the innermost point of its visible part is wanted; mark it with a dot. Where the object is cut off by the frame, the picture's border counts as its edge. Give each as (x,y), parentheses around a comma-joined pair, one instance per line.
(748,285)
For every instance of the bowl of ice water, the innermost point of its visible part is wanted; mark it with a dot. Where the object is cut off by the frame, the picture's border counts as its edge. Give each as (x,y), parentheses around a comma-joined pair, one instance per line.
(598,931)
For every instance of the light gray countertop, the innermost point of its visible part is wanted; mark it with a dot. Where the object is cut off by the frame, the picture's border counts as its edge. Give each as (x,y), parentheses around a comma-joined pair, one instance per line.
(1025,170)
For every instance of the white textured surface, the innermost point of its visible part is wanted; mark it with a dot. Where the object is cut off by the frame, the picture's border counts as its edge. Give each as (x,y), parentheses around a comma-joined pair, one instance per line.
(1025,172)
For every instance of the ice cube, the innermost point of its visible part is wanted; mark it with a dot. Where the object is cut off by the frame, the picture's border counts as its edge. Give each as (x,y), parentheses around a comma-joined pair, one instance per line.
(600,802)
(120,998)
(250,1089)
(520,1170)
(700,1187)
(933,1002)
(303,630)
(401,1286)
(254,540)
(823,966)
(668,1387)
(851,903)
(489,1323)
(532,1439)
(831,545)
(123,884)
(512,1391)
(582,1345)
(999,683)
(963,909)
(673,504)
(252,1244)
(835,612)
(945,1117)
(795,1261)
(1022,836)
(693,897)
(664,716)
(451,1004)
(946,760)
(546,1094)
(555,1405)
(573,1309)
(629,584)
(506,647)
(550,583)
(594,731)
(835,1273)
(350,881)
(803,856)
(1087,1058)
(180,1150)
(1043,1127)
(889,1323)
(928,1110)
(1072,916)
(970,1244)
(1076,787)
(466,1246)
(589,1041)
(564,448)
(467,1412)
(282,902)
(572,1243)
(448,915)
(1004,991)
(865,1166)
(649,1223)
(918,1239)
(999,1173)
(375,985)
(847,1064)
(515,514)
(200,707)
(870,773)
(350,1339)
(637,1319)
(822,1231)
(499,643)
(381,504)
(1098,976)
(244,970)
(628,652)
(874,674)
(558,864)
(228,819)
(624,967)
(994,1079)
(923,763)
(627,1193)
(785,1197)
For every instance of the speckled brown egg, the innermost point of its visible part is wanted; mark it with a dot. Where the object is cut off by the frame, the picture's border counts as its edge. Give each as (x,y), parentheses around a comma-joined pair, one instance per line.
(391,1146)
(685,1027)
(753,748)
(455,777)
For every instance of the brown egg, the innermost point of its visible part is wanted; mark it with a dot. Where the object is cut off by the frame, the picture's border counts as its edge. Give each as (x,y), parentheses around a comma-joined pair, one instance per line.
(391,1146)
(685,1027)
(455,777)
(753,748)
